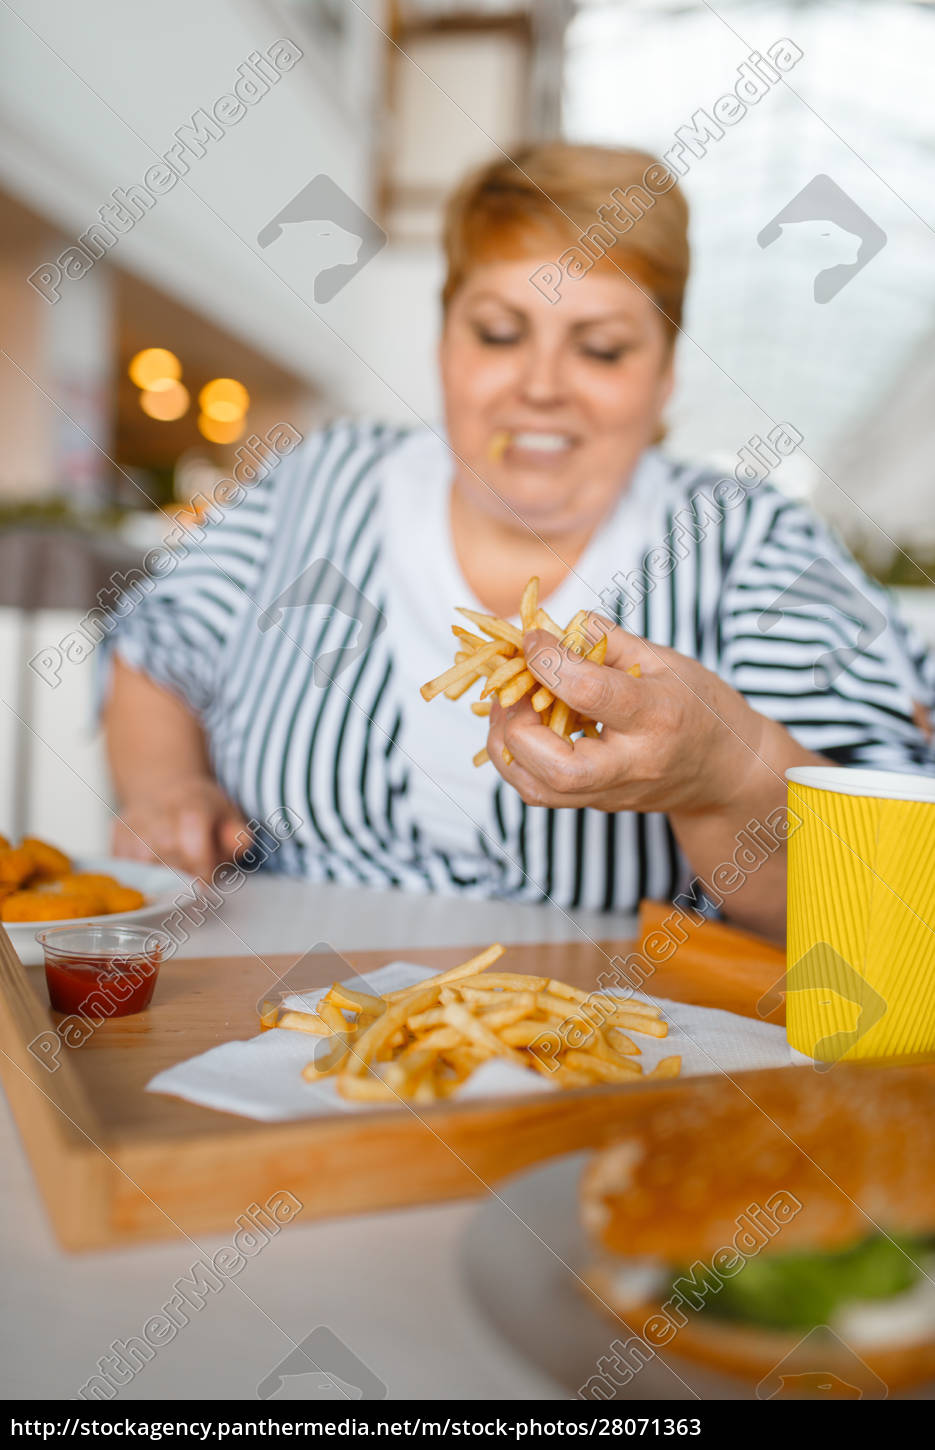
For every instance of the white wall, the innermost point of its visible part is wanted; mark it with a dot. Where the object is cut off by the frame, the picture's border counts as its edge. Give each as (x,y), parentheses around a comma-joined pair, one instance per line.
(53,777)
(92,98)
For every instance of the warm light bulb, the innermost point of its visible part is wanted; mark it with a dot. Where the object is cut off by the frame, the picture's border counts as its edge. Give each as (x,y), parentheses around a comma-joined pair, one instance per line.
(166,402)
(154,365)
(224,400)
(218,430)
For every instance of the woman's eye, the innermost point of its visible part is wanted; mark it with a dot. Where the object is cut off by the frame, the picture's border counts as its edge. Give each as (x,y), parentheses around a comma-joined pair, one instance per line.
(605,354)
(495,339)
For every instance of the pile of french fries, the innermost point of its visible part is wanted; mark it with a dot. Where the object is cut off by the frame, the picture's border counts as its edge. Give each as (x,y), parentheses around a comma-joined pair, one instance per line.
(500,661)
(422,1042)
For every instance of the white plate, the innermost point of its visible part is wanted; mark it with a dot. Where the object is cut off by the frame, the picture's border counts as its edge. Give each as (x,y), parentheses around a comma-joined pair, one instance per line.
(523,1258)
(159,884)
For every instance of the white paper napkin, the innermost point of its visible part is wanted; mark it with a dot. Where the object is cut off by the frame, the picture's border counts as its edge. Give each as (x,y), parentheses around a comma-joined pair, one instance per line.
(262,1078)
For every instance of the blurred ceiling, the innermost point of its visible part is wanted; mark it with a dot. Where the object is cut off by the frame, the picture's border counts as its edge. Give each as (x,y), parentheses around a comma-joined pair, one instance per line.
(856,108)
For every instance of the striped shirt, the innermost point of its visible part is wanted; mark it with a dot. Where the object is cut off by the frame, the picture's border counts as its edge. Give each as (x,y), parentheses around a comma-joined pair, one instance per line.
(300,629)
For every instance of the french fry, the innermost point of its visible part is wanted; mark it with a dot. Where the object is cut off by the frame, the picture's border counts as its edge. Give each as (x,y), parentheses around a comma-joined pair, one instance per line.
(620,1042)
(512,693)
(558,720)
(310,1022)
(500,981)
(438,1039)
(498,629)
(269,1015)
(545,621)
(404,1074)
(465,1059)
(496,655)
(529,605)
(419,1043)
(332,1016)
(475,1030)
(385,1027)
(328,1062)
(458,672)
(353,1000)
(639,1022)
(560,1075)
(365,1089)
(600,1068)
(424,1021)
(506,755)
(667,1067)
(521,1004)
(466,971)
(604,1001)
(454,692)
(499,443)
(502,675)
(524,1032)
(564,989)
(619,1002)
(466,637)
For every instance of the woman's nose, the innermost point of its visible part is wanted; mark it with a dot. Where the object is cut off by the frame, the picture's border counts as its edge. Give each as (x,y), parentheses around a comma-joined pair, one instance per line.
(541,381)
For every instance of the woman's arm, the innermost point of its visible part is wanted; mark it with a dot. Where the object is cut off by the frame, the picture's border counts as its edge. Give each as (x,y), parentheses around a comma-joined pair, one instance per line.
(738,848)
(171,808)
(677,740)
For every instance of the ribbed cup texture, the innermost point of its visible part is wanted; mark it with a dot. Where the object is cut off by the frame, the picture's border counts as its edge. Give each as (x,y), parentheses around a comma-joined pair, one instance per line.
(861,926)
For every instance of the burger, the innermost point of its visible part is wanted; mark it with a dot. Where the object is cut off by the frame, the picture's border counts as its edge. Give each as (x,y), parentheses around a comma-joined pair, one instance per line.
(779,1227)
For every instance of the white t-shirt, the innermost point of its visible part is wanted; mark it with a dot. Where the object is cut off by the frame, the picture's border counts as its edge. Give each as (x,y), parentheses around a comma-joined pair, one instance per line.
(429,587)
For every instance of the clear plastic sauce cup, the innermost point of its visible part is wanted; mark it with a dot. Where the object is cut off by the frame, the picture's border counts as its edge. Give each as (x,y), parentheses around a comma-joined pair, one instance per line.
(102,971)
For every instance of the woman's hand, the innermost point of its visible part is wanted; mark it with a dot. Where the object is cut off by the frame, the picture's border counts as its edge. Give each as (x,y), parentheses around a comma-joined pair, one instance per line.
(677,739)
(190,824)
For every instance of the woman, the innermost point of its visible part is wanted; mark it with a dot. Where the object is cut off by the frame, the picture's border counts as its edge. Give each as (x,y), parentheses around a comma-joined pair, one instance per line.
(280,664)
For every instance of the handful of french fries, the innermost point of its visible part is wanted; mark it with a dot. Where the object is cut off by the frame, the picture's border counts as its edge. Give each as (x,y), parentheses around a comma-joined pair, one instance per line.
(499,660)
(420,1043)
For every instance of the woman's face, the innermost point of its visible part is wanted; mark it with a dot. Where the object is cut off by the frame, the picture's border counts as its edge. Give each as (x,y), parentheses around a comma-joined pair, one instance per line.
(551,404)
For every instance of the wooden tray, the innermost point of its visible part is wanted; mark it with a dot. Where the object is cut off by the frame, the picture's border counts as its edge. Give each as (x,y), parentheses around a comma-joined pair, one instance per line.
(115,1164)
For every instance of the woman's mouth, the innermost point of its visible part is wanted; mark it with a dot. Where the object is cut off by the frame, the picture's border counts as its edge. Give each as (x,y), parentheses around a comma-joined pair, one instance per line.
(528,447)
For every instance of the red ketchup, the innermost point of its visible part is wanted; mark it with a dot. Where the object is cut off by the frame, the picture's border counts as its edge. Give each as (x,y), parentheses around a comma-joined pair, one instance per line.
(99,972)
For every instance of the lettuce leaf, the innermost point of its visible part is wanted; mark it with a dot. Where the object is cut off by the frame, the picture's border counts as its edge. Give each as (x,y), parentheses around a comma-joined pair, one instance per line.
(799,1290)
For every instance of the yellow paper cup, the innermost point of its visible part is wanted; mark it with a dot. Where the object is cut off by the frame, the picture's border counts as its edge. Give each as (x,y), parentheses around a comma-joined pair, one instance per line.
(860,979)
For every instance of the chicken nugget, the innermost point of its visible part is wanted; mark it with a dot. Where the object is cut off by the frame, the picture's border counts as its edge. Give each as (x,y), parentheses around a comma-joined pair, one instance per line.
(44,906)
(123,898)
(16,866)
(92,881)
(4,844)
(48,861)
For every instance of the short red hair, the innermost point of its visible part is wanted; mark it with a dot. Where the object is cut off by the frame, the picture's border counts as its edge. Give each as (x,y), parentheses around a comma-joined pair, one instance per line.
(546,199)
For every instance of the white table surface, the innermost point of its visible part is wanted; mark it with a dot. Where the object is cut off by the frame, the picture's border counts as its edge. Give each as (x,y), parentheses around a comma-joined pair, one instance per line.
(388,1284)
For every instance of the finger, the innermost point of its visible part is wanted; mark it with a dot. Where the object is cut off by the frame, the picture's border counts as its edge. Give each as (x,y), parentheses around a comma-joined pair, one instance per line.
(555,763)
(624,650)
(195,836)
(128,844)
(559,783)
(600,692)
(233,836)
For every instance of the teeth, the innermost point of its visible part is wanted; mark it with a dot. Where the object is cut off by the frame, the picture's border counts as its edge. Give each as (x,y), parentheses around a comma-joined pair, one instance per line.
(543,442)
